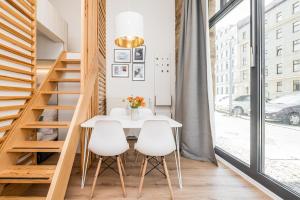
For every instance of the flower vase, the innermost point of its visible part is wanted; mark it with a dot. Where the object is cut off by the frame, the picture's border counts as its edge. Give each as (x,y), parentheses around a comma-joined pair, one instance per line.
(134,114)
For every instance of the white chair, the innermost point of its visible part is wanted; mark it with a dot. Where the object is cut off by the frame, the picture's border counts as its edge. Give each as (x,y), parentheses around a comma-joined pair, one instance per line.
(155,139)
(117,112)
(145,112)
(108,139)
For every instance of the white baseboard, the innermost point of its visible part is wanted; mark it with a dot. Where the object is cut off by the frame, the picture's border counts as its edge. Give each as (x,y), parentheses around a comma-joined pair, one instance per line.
(249,179)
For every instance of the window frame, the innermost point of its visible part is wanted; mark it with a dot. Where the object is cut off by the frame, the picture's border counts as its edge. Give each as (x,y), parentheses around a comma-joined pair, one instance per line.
(257,71)
(296,42)
(277,68)
(297,23)
(296,86)
(297,63)
(279,50)
(298,6)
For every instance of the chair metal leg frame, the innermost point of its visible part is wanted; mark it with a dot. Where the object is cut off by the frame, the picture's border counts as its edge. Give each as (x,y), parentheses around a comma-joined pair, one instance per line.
(121,176)
(108,166)
(155,166)
(96,176)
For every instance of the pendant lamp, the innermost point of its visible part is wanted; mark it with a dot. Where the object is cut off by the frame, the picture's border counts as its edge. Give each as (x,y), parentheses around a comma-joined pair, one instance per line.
(129,30)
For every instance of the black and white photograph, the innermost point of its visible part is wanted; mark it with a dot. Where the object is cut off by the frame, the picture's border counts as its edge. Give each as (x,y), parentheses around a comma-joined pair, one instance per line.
(122,55)
(139,54)
(120,70)
(138,71)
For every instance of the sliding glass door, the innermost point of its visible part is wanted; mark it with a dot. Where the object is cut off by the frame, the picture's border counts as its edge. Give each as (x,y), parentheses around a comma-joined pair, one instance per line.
(255,57)
(282,92)
(231,71)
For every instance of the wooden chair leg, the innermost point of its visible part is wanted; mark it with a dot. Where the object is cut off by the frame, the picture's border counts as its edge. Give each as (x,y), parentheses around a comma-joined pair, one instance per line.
(142,166)
(121,176)
(96,176)
(122,167)
(143,176)
(168,178)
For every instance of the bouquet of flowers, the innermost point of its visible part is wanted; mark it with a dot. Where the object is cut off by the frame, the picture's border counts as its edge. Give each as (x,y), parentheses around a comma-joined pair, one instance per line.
(136,102)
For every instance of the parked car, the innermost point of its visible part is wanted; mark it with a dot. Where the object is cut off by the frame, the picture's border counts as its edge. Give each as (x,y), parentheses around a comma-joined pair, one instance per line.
(284,109)
(240,105)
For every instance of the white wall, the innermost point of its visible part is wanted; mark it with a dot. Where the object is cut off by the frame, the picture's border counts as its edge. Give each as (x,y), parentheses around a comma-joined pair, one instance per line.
(50,22)
(48,49)
(159,35)
(70,10)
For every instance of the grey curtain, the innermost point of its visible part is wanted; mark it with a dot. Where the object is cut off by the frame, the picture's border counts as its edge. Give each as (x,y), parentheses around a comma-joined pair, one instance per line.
(194,102)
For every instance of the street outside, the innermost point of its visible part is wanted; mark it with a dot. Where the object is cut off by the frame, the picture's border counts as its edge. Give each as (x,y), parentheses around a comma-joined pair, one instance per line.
(282,146)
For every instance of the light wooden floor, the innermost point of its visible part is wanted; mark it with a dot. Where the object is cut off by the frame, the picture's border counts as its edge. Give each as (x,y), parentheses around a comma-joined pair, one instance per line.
(201,181)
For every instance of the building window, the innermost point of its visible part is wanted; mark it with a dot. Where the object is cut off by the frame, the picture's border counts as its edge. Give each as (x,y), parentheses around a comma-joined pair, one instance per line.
(278,34)
(296,7)
(296,85)
(244,48)
(296,65)
(244,61)
(266,71)
(296,45)
(296,26)
(266,85)
(244,35)
(278,17)
(279,68)
(278,50)
(244,75)
(279,86)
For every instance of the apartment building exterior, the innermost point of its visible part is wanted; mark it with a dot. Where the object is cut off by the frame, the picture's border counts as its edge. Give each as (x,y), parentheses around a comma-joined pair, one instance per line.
(282,52)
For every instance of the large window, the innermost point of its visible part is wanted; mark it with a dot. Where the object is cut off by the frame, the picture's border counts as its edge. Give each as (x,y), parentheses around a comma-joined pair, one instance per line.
(282,110)
(232,108)
(257,110)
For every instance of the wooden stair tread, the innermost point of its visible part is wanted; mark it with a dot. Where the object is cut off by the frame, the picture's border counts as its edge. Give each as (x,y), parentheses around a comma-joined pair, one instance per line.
(14,97)
(65,80)
(28,174)
(53,107)
(43,124)
(71,61)
(21,198)
(60,92)
(37,146)
(63,69)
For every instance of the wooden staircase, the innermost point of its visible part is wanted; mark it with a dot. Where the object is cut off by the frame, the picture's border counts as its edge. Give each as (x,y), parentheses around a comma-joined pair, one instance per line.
(18,154)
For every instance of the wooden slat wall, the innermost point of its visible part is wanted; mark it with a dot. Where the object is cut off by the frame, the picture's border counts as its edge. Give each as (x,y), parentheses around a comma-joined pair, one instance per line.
(17,60)
(102,50)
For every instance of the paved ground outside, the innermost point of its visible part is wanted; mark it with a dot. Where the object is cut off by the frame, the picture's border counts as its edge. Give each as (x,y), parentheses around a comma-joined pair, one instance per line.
(282,146)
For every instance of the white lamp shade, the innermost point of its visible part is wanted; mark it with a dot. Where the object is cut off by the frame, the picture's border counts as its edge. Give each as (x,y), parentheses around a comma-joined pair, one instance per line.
(129,30)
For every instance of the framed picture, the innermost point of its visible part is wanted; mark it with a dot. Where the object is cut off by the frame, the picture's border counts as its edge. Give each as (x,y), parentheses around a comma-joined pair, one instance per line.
(120,70)
(139,54)
(138,72)
(122,55)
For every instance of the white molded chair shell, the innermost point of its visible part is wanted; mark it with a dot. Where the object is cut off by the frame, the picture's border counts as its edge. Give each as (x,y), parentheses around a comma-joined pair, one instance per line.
(117,112)
(145,112)
(108,138)
(156,138)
